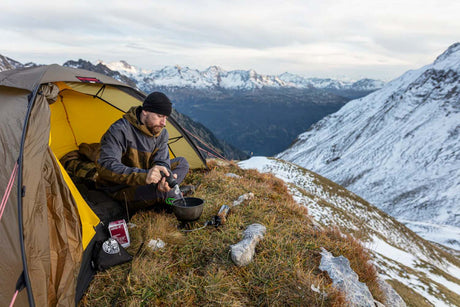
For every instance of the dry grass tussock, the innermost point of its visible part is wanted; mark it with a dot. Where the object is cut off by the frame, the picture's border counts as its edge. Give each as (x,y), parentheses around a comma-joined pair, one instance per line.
(195,268)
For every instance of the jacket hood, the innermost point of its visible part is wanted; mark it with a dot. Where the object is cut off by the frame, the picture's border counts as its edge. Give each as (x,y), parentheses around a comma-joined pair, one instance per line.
(132,117)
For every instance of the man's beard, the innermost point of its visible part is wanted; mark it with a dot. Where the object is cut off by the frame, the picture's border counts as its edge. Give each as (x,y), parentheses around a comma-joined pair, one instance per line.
(155,129)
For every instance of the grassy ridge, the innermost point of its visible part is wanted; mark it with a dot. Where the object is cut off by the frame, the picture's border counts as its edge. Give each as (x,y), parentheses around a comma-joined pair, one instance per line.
(196,269)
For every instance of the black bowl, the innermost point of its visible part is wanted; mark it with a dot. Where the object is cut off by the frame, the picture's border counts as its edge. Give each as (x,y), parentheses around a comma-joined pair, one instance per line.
(190,211)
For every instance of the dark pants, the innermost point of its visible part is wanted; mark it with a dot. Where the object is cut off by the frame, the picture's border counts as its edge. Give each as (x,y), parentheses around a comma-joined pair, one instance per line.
(147,196)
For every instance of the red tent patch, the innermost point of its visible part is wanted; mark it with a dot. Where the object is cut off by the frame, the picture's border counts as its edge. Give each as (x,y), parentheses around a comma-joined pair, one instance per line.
(88,79)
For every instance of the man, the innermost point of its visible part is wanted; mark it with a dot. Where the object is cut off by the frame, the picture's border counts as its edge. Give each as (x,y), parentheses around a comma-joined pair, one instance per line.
(134,154)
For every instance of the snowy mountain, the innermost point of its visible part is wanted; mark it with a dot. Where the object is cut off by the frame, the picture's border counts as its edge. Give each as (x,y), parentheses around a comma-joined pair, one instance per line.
(422,273)
(328,83)
(398,148)
(212,77)
(216,77)
(6,63)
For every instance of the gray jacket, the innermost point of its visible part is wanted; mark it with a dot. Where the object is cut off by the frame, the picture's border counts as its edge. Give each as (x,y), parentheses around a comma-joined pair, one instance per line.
(129,150)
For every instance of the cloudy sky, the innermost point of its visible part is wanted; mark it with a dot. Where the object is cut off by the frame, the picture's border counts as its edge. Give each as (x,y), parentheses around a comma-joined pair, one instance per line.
(314,38)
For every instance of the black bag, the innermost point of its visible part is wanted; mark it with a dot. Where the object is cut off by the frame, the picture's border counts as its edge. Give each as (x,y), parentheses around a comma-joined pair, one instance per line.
(109,253)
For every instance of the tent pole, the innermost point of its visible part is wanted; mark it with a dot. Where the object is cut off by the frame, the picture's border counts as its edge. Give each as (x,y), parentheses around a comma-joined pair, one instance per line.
(21,192)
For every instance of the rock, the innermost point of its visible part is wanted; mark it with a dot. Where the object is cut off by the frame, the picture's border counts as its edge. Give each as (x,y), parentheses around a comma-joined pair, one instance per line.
(156,244)
(247,196)
(243,252)
(346,280)
(393,298)
(232,175)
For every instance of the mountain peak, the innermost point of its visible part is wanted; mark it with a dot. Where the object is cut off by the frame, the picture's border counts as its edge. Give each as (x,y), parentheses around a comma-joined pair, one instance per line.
(125,64)
(122,67)
(7,63)
(452,53)
(214,69)
(80,63)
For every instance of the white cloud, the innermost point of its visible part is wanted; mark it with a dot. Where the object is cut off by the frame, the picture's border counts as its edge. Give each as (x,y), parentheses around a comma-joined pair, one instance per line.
(379,38)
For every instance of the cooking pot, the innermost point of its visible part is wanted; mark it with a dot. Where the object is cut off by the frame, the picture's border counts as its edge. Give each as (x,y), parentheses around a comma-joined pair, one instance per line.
(188,209)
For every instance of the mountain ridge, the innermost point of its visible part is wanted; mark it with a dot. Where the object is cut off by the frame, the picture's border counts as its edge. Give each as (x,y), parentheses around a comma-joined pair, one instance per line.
(217,77)
(212,77)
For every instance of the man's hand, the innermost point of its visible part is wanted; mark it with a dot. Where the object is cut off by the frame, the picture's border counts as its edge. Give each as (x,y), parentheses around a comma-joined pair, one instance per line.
(163,185)
(154,175)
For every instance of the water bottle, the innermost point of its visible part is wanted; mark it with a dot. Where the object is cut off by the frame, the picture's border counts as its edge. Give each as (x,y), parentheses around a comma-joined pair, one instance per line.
(169,179)
(171,182)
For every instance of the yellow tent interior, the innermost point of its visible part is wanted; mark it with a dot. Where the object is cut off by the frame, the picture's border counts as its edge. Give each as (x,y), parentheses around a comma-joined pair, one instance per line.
(84,111)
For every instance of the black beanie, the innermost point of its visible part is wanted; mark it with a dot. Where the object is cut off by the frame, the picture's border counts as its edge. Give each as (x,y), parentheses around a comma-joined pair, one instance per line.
(158,103)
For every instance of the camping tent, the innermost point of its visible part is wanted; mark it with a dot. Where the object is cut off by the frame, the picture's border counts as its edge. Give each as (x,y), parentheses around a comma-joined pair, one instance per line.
(47,230)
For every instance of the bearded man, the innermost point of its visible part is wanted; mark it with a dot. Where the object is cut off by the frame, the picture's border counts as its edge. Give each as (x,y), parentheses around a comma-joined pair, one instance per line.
(135,155)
